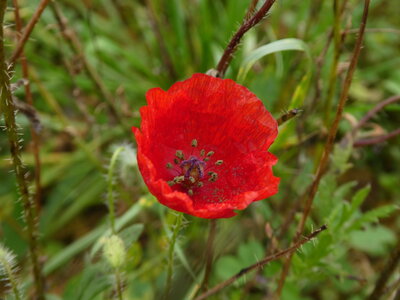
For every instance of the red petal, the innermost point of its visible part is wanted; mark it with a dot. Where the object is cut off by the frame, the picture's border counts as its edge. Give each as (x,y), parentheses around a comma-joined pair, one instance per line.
(224,117)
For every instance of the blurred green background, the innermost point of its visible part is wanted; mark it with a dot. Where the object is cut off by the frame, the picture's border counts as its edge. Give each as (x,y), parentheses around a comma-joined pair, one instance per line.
(113,51)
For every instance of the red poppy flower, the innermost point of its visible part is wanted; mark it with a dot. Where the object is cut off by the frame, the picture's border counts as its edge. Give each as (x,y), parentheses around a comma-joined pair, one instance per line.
(203,147)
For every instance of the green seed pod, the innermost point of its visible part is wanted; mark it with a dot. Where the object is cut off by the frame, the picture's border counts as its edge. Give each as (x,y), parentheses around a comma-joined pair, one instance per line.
(114,251)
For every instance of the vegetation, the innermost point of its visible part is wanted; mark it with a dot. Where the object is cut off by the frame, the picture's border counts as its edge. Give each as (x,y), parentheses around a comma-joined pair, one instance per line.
(76,219)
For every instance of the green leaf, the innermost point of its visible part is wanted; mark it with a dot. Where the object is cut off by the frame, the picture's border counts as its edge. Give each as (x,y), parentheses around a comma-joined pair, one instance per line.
(374,215)
(359,198)
(250,253)
(87,285)
(276,46)
(87,240)
(227,266)
(374,241)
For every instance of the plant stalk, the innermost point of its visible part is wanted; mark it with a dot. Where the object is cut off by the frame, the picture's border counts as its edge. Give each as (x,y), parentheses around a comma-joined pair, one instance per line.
(8,109)
(171,251)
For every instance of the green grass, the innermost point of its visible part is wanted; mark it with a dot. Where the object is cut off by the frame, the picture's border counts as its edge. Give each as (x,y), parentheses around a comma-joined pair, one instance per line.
(358,197)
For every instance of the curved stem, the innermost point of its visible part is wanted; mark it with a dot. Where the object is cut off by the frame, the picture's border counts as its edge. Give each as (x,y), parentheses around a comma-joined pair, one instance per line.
(171,250)
(377,139)
(110,190)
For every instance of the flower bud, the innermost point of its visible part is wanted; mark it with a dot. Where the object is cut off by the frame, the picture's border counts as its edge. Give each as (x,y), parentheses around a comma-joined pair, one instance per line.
(114,251)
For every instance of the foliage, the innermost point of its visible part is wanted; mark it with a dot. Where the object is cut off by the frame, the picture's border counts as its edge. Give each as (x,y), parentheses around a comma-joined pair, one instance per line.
(122,48)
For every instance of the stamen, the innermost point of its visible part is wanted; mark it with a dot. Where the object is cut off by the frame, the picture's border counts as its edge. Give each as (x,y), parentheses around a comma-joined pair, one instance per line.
(200,184)
(169,165)
(171,183)
(191,179)
(194,143)
(202,152)
(211,153)
(213,176)
(206,159)
(219,162)
(190,192)
(176,161)
(179,179)
(179,154)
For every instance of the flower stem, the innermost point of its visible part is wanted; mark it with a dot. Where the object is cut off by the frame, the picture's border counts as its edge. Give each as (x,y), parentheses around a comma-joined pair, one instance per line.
(118,284)
(171,250)
(110,191)
(209,256)
(8,109)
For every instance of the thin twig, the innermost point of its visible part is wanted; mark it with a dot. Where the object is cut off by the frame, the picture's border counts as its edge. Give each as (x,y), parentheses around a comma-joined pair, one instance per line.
(234,42)
(260,264)
(375,30)
(29,100)
(273,247)
(374,111)
(8,109)
(377,140)
(209,255)
(251,9)
(27,32)
(309,198)
(387,271)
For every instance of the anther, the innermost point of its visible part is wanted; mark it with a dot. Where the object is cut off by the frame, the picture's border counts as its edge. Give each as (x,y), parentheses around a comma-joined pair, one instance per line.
(200,184)
(213,176)
(206,159)
(192,180)
(202,152)
(194,143)
(211,153)
(176,161)
(179,179)
(219,162)
(190,192)
(169,165)
(171,183)
(179,154)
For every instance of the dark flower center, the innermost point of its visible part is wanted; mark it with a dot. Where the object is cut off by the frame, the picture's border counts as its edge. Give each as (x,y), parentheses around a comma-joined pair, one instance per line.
(193,167)
(192,172)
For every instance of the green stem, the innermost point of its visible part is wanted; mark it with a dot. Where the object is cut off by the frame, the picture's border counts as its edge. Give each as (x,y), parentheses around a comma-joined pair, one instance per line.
(119,284)
(8,109)
(209,256)
(171,250)
(110,185)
